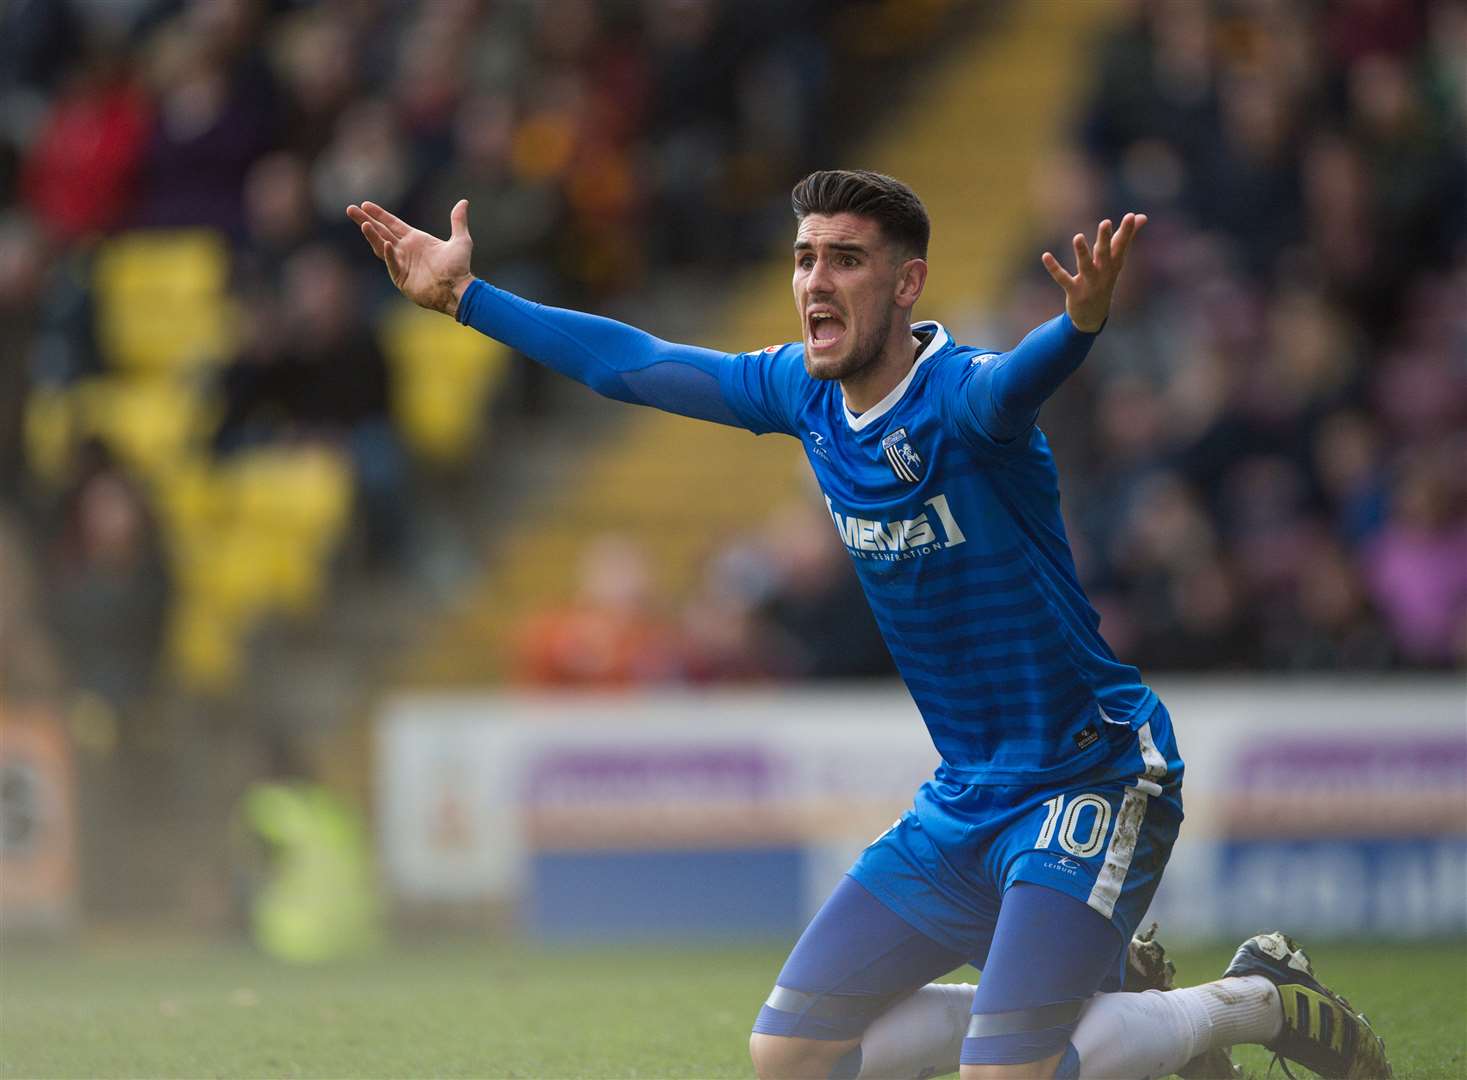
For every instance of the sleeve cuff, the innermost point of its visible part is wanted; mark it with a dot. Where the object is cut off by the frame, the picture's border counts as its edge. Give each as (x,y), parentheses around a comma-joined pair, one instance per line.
(1070,326)
(466,301)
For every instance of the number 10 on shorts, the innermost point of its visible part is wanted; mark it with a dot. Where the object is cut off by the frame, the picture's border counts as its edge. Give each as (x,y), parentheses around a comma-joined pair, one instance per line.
(1081,834)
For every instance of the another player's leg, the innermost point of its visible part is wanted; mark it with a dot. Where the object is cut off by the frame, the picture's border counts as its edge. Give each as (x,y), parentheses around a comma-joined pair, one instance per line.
(856,961)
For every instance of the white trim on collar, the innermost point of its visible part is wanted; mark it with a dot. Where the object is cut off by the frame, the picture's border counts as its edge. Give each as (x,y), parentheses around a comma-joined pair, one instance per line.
(886,404)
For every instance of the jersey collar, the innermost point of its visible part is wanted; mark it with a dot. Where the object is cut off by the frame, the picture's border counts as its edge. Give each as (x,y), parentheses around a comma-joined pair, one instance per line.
(885,405)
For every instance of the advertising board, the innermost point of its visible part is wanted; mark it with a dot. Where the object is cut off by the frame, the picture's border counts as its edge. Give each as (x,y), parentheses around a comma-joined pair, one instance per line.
(1329,809)
(38,874)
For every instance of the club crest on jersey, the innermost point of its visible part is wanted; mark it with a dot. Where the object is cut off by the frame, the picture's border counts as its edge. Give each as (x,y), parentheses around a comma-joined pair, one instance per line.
(902,456)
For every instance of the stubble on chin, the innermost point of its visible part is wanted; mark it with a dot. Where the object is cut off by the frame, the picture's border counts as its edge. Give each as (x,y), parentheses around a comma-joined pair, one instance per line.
(823,369)
(843,367)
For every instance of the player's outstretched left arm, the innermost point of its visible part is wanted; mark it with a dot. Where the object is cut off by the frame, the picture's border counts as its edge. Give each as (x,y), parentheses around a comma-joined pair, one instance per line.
(1088,290)
(1003,397)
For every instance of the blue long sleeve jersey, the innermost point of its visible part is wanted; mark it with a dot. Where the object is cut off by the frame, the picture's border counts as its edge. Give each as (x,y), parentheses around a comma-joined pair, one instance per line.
(945,495)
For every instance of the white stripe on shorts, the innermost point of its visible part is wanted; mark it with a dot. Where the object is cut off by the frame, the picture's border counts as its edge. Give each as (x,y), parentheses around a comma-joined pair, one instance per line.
(1150,755)
(1122,847)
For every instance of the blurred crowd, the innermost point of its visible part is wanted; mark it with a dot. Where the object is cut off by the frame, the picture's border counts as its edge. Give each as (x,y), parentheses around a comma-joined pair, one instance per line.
(601,142)
(1262,460)
(778,602)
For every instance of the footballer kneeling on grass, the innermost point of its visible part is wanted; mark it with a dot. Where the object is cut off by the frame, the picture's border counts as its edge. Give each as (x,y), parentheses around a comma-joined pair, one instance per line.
(1036,847)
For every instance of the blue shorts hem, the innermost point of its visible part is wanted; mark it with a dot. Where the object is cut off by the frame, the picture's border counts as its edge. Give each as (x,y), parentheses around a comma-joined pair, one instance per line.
(1080,888)
(909,914)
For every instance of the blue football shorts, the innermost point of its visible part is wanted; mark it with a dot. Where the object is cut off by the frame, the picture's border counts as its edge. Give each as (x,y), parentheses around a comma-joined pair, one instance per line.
(953,881)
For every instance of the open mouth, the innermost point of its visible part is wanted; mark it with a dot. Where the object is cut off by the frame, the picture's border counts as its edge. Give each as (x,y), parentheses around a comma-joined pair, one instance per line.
(826,329)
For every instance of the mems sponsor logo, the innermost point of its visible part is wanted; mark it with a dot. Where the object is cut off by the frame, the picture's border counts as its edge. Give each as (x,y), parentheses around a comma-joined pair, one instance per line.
(908,538)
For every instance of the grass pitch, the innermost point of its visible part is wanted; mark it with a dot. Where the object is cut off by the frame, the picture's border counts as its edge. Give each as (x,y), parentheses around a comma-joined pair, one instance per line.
(479,1009)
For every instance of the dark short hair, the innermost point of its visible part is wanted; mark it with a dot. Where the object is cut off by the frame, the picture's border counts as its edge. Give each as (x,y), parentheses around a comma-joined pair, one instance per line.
(889,202)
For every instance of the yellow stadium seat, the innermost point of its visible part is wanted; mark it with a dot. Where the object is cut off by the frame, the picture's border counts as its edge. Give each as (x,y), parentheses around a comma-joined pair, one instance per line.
(303,493)
(226,570)
(193,552)
(191,497)
(148,422)
(320,485)
(297,576)
(162,301)
(205,647)
(444,376)
(248,537)
(280,514)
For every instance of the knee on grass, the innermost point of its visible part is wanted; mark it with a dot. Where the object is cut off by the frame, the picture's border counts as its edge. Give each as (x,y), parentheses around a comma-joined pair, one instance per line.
(785,1057)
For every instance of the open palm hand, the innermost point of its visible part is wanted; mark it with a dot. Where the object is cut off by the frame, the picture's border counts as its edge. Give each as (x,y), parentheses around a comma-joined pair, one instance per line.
(430,272)
(1088,290)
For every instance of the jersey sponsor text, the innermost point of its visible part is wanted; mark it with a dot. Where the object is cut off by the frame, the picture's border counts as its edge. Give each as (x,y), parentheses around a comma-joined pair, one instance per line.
(895,540)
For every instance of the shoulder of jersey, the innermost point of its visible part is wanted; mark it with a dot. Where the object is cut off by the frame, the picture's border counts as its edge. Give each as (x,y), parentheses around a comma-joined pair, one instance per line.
(789,359)
(958,358)
(974,356)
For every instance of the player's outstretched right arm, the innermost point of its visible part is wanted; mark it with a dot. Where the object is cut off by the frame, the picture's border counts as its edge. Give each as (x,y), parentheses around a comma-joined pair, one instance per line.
(430,272)
(610,357)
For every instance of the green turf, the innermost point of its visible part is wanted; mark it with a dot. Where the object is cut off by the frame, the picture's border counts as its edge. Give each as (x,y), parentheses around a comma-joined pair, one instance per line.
(477,1009)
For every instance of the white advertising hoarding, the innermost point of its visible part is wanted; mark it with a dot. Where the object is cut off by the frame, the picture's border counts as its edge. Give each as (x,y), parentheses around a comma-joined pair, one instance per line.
(1329,807)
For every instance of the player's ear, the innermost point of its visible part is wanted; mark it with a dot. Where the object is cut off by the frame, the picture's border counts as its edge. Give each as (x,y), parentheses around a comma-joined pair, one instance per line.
(911,277)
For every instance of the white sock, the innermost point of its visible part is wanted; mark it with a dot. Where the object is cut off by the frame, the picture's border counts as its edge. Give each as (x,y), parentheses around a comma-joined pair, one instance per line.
(1134,1036)
(921,1035)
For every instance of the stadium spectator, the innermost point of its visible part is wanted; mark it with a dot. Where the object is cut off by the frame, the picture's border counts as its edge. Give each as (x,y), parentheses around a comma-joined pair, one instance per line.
(81,173)
(217,112)
(23,260)
(279,218)
(815,612)
(1418,564)
(367,151)
(1337,628)
(319,375)
(610,634)
(30,669)
(108,586)
(1348,464)
(722,638)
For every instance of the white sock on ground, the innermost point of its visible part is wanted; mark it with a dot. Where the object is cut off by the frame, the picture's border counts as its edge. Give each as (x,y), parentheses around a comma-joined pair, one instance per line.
(1157,1032)
(922,1034)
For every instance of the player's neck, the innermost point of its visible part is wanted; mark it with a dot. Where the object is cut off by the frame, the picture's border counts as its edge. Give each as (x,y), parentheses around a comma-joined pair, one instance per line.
(867,387)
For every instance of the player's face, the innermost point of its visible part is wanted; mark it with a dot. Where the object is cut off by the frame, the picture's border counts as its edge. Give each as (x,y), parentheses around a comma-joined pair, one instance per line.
(846,281)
